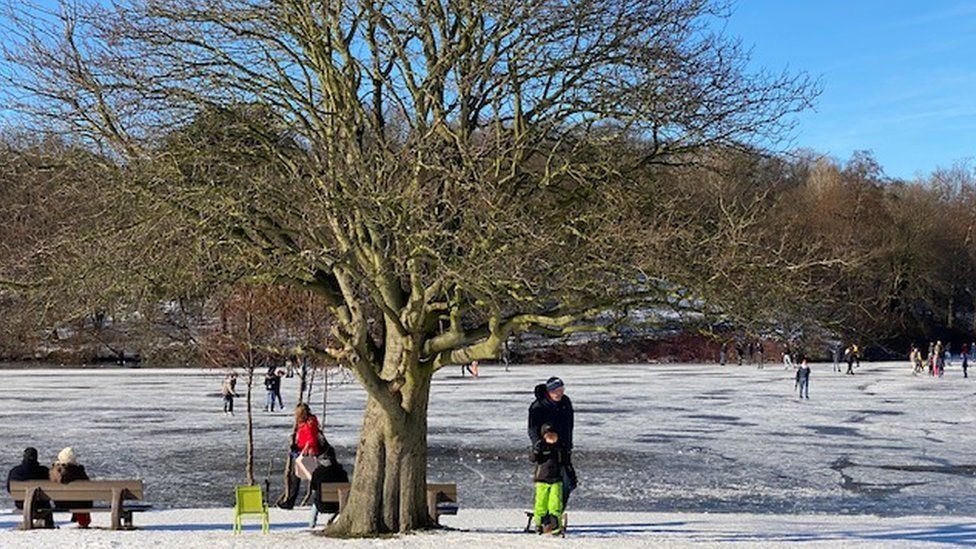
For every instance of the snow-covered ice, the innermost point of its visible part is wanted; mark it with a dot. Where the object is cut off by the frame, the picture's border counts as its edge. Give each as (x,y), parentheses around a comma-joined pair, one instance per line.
(649,439)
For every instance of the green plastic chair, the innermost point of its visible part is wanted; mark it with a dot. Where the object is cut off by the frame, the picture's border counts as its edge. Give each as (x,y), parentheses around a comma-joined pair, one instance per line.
(250,502)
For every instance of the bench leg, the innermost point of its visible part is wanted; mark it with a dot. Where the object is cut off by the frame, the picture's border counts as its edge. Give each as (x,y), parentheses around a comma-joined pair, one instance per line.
(127,520)
(432,506)
(343,496)
(116,509)
(29,505)
(528,523)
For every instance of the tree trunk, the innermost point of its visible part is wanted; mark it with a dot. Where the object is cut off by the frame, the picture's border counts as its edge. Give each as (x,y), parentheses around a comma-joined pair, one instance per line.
(250,385)
(250,428)
(389,484)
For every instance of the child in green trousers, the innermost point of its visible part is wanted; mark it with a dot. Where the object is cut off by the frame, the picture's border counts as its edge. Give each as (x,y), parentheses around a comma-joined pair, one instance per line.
(549,455)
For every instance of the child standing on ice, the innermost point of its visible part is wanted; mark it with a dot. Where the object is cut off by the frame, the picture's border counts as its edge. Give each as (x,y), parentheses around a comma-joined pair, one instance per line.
(549,455)
(803,378)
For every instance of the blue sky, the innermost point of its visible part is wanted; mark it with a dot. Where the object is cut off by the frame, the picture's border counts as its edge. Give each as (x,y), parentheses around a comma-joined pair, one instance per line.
(899,76)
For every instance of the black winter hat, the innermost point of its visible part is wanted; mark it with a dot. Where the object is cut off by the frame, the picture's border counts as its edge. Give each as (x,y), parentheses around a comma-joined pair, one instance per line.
(553,383)
(30,454)
(546,428)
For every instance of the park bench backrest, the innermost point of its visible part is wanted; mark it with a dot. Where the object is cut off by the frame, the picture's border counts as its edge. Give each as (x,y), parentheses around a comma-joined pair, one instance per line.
(446,493)
(79,490)
(330,491)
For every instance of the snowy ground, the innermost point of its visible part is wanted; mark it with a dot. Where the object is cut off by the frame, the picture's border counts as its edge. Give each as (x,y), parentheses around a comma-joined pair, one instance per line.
(649,438)
(210,529)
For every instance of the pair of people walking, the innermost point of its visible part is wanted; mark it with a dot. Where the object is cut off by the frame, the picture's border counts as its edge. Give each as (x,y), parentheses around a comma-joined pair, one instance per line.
(272,384)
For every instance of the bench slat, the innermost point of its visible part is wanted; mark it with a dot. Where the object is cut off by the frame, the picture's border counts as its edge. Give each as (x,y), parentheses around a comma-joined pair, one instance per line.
(78,490)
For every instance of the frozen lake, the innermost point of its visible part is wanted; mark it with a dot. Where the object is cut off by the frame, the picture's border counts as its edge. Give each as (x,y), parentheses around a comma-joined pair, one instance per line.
(649,438)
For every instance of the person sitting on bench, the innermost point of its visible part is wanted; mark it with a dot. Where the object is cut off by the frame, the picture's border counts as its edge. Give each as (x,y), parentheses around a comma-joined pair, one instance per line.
(333,472)
(30,469)
(66,469)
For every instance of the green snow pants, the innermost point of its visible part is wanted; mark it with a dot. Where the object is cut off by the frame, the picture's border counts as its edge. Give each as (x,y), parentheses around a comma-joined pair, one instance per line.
(548,501)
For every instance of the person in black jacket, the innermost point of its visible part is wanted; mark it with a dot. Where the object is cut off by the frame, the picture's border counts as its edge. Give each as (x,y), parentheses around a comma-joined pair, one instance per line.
(29,469)
(333,472)
(803,379)
(552,407)
(551,458)
(269,379)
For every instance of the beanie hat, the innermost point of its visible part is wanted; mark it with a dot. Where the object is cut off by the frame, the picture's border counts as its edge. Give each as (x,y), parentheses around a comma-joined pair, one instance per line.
(67,456)
(553,383)
(30,454)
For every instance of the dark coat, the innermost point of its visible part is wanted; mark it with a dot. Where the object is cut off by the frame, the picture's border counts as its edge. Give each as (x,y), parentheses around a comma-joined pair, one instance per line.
(549,459)
(803,375)
(325,474)
(65,473)
(559,415)
(27,470)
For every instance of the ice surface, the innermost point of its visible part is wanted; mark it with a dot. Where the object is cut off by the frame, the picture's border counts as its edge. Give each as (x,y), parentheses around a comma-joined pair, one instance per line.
(649,438)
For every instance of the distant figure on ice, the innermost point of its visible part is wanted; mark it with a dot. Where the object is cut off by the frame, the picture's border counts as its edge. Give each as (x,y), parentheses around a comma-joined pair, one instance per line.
(939,358)
(759,354)
(551,458)
(849,356)
(803,378)
(739,351)
(751,349)
(66,469)
(552,407)
(916,360)
(272,384)
(30,469)
(470,368)
(837,352)
(930,358)
(787,357)
(964,356)
(722,352)
(332,472)
(227,389)
(948,354)
(856,353)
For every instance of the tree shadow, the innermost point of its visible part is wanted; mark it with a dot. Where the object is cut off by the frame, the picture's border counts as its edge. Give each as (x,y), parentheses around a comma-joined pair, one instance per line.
(221,526)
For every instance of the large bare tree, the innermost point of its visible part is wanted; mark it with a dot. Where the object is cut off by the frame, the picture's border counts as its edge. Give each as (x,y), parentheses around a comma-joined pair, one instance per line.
(445,174)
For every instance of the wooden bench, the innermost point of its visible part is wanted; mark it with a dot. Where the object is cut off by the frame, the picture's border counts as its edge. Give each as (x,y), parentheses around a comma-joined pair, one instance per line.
(35,496)
(442,499)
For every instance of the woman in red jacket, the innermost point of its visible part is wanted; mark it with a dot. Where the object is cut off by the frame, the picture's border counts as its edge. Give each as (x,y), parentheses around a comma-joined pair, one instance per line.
(306,431)
(306,443)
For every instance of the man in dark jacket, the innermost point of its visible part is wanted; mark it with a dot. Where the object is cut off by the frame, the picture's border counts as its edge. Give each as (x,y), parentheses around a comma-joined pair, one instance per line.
(552,407)
(29,469)
(333,472)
